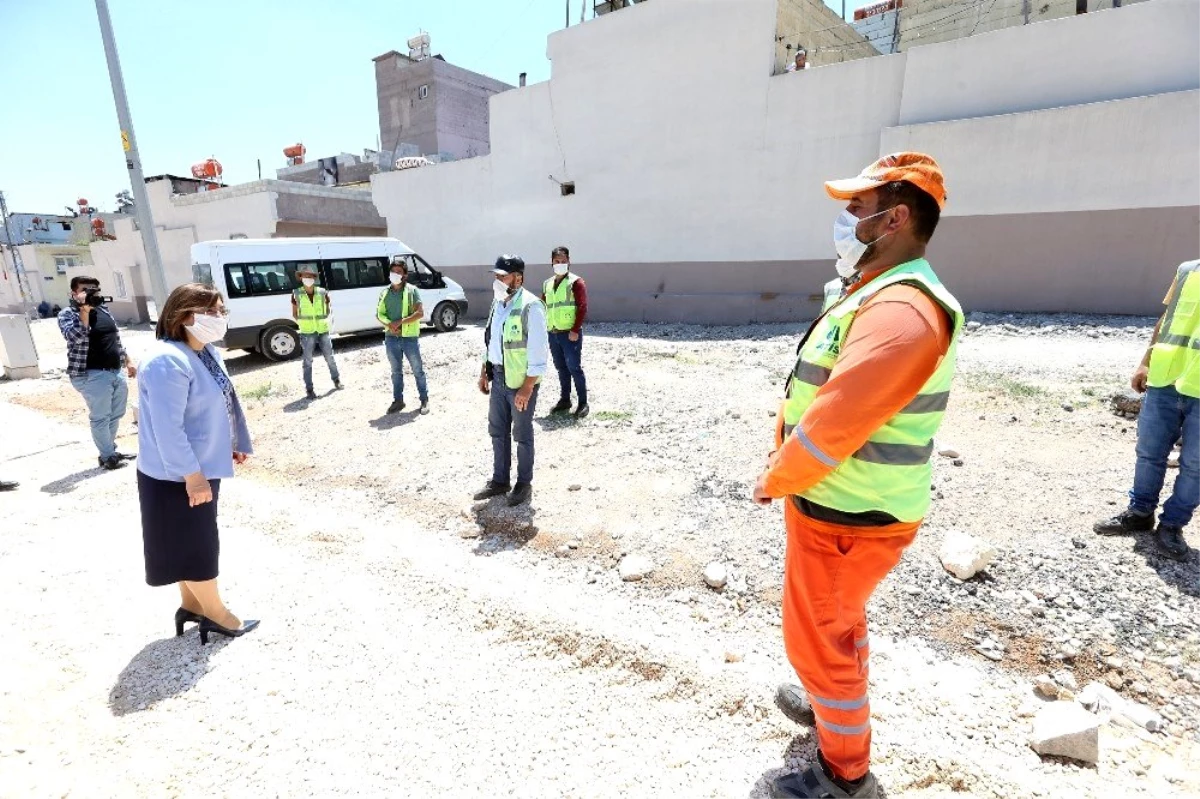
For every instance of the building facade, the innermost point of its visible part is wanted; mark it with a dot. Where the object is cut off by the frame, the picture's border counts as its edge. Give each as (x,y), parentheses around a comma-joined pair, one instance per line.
(184,216)
(696,195)
(430,107)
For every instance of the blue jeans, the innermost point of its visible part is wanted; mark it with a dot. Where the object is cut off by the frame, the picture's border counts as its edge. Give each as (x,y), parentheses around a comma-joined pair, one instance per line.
(106,392)
(1166,416)
(568,360)
(398,348)
(505,425)
(310,342)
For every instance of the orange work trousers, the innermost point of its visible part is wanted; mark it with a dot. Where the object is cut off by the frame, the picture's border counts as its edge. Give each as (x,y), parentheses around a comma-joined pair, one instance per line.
(827,582)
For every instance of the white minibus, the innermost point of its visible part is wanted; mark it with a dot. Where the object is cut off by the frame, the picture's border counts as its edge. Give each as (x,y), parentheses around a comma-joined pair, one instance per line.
(257,277)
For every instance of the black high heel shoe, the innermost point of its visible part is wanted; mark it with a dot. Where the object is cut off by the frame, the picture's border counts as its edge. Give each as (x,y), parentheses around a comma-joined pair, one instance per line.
(182,617)
(207,626)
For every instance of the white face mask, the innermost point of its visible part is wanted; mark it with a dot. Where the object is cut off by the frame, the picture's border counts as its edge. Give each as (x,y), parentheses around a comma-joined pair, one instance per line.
(845,240)
(308,282)
(500,290)
(562,269)
(207,329)
(395,278)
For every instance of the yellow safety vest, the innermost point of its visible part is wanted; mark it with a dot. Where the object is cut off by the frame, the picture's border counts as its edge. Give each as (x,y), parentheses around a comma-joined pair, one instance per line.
(1175,357)
(560,304)
(514,339)
(409,330)
(312,312)
(891,472)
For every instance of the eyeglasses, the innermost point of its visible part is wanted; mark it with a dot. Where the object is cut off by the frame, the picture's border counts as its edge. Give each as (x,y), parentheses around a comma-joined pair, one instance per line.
(215,312)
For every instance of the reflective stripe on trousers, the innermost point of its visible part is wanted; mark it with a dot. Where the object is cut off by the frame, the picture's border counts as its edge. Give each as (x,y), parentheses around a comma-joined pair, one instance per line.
(827,582)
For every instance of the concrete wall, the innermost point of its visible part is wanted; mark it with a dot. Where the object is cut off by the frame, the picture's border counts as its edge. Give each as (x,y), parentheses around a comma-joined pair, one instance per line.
(461,107)
(933,21)
(700,193)
(882,31)
(822,32)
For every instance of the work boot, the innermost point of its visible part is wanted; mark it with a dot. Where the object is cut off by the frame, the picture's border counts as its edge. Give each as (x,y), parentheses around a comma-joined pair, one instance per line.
(124,456)
(490,490)
(310,394)
(1127,523)
(817,782)
(425,408)
(396,406)
(337,385)
(792,700)
(1171,543)
(563,406)
(521,493)
(111,462)
(582,411)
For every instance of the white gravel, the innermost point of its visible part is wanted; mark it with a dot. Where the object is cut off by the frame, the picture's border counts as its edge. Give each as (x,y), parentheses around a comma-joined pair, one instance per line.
(398,657)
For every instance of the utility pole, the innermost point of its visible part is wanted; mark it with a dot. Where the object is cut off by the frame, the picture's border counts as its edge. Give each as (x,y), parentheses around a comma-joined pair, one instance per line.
(18,264)
(568,14)
(133,161)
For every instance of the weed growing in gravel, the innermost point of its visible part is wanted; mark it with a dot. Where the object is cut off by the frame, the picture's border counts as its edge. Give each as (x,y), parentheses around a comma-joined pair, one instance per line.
(1004,384)
(259,392)
(613,416)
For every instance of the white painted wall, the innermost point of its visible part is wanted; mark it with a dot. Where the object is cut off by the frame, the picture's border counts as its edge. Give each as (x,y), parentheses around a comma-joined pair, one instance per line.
(1138,153)
(727,164)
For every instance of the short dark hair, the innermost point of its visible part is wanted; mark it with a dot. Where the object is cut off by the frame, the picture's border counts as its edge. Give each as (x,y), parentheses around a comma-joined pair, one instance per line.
(188,298)
(563,251)
(79,280)
(921,206)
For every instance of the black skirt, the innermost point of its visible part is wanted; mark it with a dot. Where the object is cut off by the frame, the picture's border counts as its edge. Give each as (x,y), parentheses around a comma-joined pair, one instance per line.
(180,541)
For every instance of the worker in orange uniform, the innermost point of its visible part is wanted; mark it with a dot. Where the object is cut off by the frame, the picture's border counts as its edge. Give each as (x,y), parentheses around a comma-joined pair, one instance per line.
(853,445)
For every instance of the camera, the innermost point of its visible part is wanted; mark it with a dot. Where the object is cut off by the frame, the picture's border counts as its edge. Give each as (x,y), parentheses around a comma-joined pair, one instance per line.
(94,298)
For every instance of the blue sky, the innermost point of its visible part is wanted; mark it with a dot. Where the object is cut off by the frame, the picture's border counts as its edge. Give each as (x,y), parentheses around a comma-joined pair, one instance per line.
(235,79)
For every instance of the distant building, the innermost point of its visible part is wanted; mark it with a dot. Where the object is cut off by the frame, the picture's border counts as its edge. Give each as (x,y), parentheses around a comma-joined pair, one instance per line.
(895,26)
(184,215)
(430,107)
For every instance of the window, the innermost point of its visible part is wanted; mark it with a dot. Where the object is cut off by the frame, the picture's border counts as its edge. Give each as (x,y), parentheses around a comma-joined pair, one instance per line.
(244,280)
(202,273)
(423,92)
(66,225)
(119,291)
(567,188)
(260,279)
(357,273)
(62,262)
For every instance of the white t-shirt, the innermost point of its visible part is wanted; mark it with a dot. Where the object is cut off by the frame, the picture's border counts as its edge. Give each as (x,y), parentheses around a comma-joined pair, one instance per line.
(792,66)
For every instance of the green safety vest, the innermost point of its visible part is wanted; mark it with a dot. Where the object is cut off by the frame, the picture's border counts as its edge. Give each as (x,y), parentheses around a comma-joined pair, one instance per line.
(891,471)
(560,304)
(1175,357)
(515,338)
(312,312)
(410,330)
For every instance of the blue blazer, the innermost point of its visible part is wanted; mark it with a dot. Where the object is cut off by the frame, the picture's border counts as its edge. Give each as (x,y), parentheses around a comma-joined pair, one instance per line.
(183,426)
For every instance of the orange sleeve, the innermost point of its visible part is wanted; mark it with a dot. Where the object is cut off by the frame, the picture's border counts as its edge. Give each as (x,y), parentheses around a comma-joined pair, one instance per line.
(1170,291)
(895,344)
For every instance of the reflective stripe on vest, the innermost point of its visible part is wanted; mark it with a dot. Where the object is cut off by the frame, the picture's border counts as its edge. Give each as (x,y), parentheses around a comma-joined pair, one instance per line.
(560,304)
(891,471)
(1175,357)
(312,313)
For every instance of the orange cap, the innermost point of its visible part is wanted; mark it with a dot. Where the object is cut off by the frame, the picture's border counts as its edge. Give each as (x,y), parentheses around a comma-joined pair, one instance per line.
(917,168)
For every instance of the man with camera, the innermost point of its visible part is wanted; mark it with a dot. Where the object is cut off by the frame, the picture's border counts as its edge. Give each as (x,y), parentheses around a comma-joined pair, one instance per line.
(97,365)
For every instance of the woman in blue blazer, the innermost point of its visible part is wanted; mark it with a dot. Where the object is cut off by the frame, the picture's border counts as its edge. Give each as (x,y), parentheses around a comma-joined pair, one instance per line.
(191,431)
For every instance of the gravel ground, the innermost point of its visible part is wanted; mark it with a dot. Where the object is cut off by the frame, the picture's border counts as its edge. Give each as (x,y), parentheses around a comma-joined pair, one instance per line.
(416,643)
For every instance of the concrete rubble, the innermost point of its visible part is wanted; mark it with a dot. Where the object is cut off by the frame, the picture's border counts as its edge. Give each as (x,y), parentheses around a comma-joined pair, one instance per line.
(964,555)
